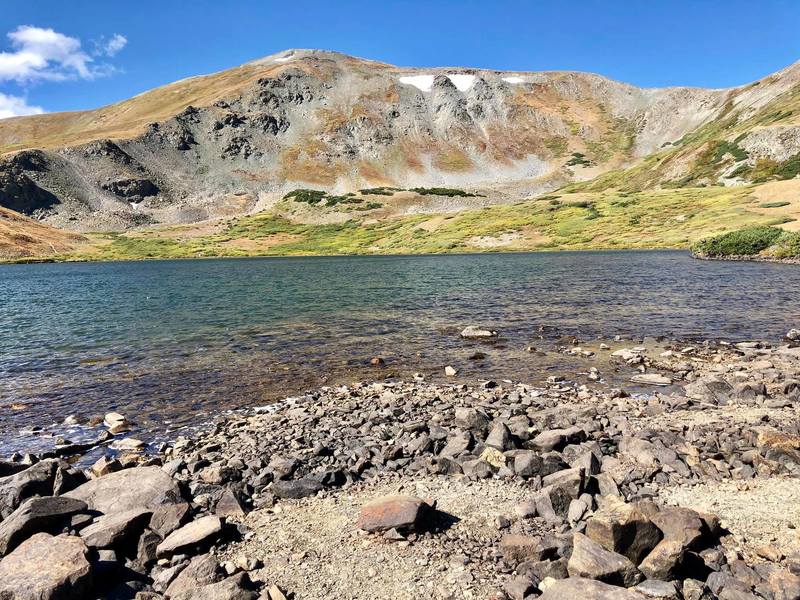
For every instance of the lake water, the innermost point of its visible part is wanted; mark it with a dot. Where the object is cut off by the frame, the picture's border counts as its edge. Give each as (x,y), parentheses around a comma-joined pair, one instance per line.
(171,343)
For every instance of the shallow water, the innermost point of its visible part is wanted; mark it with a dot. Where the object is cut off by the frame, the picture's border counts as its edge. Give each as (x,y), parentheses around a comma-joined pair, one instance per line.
(170,343)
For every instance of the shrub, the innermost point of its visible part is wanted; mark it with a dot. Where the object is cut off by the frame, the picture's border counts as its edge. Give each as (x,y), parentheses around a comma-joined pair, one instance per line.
(774,204)
(306,196)
(437,191)
(744,242)
(380,191)
(578,159)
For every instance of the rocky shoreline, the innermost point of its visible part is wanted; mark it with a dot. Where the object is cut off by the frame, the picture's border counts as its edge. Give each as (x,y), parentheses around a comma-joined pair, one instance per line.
(409,489)
(747,258)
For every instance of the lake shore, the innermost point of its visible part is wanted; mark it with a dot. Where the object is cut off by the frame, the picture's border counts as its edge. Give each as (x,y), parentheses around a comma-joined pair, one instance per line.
(415,489)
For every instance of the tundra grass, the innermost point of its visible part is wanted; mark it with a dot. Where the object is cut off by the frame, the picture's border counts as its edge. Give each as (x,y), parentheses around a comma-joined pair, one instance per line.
(608,220)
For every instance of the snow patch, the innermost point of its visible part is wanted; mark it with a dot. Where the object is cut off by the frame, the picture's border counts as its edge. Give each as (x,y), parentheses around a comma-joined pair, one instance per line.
(514,80)
(421,82)
(135,205)
(462,81)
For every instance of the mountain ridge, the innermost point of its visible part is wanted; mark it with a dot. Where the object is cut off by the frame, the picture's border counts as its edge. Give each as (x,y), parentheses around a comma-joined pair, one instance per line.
(235,142)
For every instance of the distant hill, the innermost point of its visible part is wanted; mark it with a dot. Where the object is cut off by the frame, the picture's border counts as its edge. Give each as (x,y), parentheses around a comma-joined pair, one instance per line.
(235,143)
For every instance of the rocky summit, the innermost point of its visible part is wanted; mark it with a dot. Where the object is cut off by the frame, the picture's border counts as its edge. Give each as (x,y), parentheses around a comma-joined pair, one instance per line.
(415,490)
(229,143)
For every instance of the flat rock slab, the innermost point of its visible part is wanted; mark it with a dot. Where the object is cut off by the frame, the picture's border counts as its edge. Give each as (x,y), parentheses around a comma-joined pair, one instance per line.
(588,589)
(651,379)
(191,534)
(46,568)
(296,489)
(36,515)
(387,512)
(232,588)
(113,529)
(141,487)
(589,559)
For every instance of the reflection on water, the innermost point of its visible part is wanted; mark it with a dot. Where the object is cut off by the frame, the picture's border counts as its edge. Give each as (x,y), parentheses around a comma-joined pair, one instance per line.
(171,342)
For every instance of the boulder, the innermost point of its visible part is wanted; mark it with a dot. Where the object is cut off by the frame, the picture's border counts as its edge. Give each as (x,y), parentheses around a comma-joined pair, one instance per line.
(682,525)
(470,418)
(36,480)
(517,548)
(578,588)
(237,587)
(589,559)
(105,465)
(116,528)
(527,463)
(556,439)
(392,512)
(499,437)
(201,571)
(141,487)
(196,533)
(44,567)
(475,332)
(665,561)
(623,528)
(651,379)
(36,515)
(659,590)
(296,488)
(168,517)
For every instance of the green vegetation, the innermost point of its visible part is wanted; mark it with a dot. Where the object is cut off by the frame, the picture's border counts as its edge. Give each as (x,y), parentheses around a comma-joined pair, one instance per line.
(315,197)
(767,169)
(437,191)
(656,219)
(578,159)
(774,204)
(744,242)
(766,241)
(379,191)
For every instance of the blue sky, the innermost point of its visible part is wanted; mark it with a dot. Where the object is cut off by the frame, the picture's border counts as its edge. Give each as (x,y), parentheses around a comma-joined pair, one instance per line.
(70,55)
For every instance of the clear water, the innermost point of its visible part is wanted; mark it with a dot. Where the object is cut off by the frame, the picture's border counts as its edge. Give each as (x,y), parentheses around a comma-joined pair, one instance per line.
(170,343)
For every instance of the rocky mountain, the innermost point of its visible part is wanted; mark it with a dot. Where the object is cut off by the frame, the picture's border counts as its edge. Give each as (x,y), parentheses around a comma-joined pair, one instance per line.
(235,142)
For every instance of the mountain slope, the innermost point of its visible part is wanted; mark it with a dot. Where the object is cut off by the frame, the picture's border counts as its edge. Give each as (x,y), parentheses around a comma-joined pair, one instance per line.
(228,143)
(21,237)
(237,142)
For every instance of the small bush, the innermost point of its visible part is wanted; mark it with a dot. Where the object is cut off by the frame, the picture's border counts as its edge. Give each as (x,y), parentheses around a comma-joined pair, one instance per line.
(306,196)
(578,159)
(379,191)
(437,191)
(745,242)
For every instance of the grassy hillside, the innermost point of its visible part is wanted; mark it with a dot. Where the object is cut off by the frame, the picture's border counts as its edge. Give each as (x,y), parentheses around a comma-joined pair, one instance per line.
(575,221)
(21,237)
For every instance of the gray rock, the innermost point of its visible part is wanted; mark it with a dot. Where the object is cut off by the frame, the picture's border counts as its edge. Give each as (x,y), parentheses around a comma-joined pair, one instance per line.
(499,437)
(36,515)
(527,463)
(578,588)
(168,517)
(36,480)
(141,487)
(116,528)
(44,567)
(471,418)
(590,560)
(297,488)
(623,528)
(201,571)
(665,561)
(232,588)
(475,332)
(202,531)
(661,590)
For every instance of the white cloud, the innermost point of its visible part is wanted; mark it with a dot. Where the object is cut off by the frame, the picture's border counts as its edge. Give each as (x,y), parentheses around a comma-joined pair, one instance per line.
(110,47)
(14,106)
(45,54)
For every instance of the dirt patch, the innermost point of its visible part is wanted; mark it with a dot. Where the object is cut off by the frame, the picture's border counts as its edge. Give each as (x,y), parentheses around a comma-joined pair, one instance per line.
(314,546)
(261,244)
(779,191)
(757,512)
